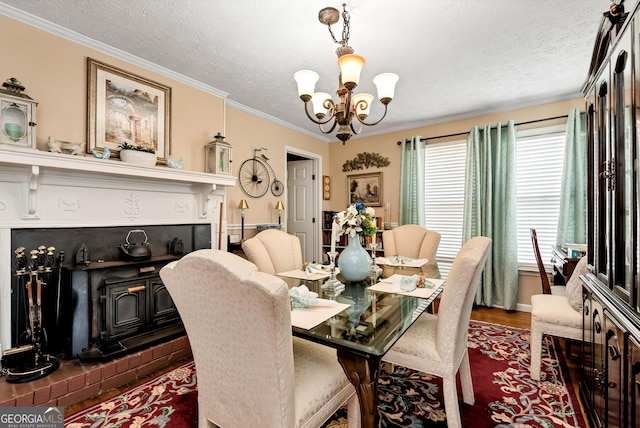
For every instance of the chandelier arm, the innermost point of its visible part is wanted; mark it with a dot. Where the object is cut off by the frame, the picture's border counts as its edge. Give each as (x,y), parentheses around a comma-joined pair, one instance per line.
(354,129)
(328,131)
(319,122)
(374,123)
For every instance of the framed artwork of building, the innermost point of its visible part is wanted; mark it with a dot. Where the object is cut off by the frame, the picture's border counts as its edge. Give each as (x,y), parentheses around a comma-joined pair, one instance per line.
(126,108)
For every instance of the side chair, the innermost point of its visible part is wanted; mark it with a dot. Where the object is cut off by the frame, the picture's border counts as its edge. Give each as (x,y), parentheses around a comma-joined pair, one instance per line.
(557,315)
(251,372)
(547,288)
(437,344)
(411,240)
(274,251)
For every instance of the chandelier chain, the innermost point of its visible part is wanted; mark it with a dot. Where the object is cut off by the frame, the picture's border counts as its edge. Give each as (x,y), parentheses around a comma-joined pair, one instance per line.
(345,28)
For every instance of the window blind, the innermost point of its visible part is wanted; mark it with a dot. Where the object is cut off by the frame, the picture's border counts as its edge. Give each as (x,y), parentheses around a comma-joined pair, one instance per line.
(444,196)
(539,161)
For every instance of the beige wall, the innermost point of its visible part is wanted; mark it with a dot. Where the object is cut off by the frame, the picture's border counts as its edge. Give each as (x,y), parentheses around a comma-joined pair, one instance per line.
(53,70)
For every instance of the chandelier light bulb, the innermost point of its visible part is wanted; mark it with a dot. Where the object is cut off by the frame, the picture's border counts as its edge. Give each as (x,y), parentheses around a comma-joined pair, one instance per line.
(318,100)
(350,68)
(362,104)
(386,84)
(306,83)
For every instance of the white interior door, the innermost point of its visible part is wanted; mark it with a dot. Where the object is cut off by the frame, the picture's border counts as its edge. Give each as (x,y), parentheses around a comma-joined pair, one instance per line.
(301,204)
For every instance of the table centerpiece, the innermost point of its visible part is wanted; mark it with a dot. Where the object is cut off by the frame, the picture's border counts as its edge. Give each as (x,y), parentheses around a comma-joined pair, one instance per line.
(356,221)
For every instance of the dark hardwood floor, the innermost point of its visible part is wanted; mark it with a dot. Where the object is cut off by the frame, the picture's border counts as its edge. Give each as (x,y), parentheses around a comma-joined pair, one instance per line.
(492,315)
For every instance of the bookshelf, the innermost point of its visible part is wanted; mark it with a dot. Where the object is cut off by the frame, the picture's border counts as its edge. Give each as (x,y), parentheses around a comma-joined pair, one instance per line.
(327,218)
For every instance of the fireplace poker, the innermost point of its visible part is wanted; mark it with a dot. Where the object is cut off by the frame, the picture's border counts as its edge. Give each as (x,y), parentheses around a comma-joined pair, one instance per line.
(58,291)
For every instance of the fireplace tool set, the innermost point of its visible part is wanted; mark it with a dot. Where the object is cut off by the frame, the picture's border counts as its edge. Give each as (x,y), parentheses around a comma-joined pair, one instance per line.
(28,361)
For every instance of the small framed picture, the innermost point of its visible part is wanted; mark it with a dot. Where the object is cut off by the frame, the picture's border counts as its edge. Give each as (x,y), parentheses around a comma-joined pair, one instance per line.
(365,189)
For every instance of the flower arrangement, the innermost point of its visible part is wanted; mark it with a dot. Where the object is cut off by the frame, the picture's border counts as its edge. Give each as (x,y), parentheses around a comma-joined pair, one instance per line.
(356,220)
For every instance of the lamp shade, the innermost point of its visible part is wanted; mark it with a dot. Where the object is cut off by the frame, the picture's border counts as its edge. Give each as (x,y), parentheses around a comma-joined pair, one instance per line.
(386,84)
(318,100)
(361,108)
(243,204)
(306,82)
(279,205)
(350,67)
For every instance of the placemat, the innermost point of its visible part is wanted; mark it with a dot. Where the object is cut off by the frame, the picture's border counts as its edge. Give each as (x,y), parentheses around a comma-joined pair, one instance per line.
(310,317)
(414,263)
(300,274)
(392,285)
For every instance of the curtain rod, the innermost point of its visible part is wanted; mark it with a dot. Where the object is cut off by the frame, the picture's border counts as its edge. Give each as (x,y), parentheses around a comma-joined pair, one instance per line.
(466,133)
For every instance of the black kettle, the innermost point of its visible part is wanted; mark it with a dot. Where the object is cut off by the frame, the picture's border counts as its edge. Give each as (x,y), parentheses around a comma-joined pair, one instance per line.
(136,251)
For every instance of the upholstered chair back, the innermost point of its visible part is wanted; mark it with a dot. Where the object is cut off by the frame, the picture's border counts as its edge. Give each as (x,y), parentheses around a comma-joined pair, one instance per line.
(274,251)
(457,298)
(239,325)
(411,240)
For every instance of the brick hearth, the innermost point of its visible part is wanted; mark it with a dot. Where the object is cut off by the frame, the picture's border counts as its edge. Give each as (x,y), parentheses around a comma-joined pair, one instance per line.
(75,381)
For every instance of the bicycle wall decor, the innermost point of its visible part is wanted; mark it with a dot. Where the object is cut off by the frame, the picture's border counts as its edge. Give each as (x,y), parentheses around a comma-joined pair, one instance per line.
(254,176)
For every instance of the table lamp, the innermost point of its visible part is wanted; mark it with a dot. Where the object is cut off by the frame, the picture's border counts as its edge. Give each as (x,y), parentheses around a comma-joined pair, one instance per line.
(243,206)
(279,207)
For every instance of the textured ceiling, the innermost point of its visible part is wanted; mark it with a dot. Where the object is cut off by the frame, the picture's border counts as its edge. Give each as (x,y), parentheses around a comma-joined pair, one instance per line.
(455,58)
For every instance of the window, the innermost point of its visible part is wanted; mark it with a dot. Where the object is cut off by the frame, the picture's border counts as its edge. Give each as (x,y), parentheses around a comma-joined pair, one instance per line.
(444,196)
(539,161)
(540,156)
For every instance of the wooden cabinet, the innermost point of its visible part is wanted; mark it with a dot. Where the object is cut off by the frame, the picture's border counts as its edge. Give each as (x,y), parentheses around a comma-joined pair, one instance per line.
(611,296)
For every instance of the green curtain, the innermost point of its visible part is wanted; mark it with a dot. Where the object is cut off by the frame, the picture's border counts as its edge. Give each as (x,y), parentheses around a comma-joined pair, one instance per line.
(572,220)
(490,209)
(412,182)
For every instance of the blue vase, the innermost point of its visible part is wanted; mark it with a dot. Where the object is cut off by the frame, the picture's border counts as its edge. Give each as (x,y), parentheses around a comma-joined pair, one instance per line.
(354,262)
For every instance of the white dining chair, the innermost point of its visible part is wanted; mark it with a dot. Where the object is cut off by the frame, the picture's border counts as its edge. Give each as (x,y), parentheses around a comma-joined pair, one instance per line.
(251,372)
(437,344)
(557,315)
(274,251)
(411,240)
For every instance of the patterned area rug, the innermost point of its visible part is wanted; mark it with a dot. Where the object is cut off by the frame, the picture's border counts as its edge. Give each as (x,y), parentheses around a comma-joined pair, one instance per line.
(505,395)
(169,400)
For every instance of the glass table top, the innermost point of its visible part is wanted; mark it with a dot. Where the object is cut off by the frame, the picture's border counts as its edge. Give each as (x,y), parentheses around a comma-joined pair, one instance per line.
(374,320)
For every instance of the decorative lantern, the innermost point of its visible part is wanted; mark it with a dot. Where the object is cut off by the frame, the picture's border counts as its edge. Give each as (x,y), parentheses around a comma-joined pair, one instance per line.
(17,115)
(218,156)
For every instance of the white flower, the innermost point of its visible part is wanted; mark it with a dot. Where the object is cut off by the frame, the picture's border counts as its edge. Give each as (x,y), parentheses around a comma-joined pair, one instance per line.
(356,220)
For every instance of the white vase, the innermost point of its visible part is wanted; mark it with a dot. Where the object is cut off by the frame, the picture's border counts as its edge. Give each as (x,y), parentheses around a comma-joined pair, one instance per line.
(137,157)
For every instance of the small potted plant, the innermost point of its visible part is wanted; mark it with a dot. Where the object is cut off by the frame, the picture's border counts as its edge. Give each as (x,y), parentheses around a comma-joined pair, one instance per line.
(139,155)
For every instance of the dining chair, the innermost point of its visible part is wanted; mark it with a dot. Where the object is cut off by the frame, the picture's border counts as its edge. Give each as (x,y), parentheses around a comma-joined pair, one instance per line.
(251,372)
(437,344)
(274,251)
(547,288)
(557,315)
(411,240)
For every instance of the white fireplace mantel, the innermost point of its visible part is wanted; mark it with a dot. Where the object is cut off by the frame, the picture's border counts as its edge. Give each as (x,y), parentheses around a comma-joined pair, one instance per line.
(35,163)
(45,190)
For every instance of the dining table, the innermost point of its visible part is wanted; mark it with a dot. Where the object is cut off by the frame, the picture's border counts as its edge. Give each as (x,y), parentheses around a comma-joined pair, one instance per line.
(367,325)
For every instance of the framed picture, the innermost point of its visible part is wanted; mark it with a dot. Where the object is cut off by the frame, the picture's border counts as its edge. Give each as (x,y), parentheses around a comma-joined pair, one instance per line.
(126,108)
(365,188)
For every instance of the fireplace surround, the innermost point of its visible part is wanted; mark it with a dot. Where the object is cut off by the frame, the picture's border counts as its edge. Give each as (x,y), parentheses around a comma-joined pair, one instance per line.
(46,194)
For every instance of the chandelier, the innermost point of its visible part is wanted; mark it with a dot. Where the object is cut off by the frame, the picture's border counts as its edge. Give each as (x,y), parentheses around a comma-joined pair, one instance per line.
(349,105)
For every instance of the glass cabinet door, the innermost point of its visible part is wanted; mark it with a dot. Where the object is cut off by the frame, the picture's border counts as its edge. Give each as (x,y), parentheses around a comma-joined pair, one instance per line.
(602,194)
(621,164)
